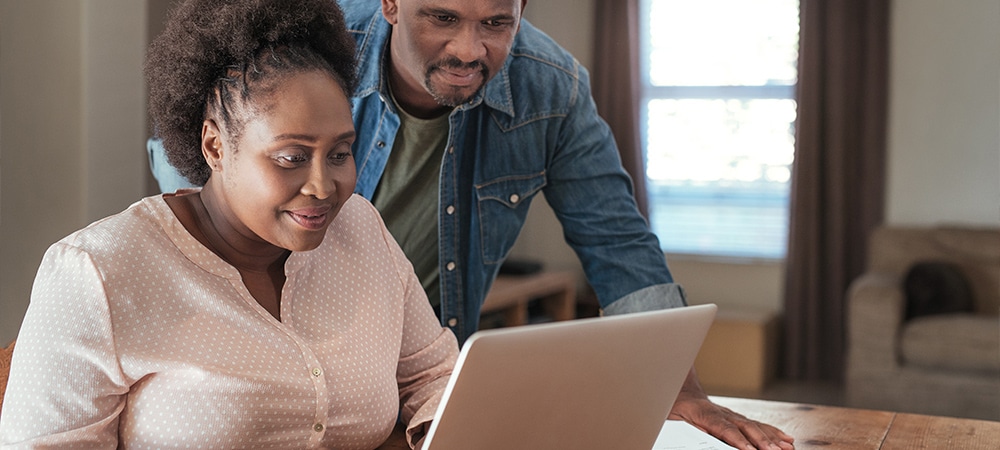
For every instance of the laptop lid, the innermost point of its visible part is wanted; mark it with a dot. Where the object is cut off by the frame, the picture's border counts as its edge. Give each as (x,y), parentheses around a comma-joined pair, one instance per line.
(597,383)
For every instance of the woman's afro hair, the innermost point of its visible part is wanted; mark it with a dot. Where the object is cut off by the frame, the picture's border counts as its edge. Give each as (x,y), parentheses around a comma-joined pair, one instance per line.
(214,55)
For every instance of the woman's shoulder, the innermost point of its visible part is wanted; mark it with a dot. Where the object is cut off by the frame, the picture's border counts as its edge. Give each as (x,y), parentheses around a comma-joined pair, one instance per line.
(358,225)
(357,212)
(127,231)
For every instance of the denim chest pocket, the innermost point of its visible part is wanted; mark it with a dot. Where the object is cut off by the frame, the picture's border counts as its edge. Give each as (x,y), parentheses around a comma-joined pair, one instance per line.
(503,206)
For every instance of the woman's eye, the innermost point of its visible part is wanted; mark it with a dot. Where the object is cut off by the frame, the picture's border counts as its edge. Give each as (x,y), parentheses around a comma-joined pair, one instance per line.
(291,159)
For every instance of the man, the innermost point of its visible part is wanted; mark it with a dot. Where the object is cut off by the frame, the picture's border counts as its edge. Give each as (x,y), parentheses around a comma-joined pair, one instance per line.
(464,113)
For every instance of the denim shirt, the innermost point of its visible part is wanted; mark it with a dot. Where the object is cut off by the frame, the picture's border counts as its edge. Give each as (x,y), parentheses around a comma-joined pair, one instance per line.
(533,129)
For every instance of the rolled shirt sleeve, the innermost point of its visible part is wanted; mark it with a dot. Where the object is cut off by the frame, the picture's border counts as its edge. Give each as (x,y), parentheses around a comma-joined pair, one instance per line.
(660,296)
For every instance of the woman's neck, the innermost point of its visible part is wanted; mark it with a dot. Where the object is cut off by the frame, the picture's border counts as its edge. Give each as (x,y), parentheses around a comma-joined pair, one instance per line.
(200,214)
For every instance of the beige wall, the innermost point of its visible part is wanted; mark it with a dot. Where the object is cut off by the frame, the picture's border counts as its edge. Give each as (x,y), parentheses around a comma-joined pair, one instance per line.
(72,126)
(944,103)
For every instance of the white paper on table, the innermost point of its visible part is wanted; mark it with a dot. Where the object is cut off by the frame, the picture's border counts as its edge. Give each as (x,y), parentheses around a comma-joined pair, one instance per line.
(680,435)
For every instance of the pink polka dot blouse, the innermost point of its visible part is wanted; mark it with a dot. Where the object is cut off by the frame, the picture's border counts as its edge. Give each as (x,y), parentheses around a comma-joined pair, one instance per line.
(137,336)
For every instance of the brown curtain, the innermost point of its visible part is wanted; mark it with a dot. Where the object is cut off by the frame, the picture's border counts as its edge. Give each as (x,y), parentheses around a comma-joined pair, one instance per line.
(838,175)
(616,84)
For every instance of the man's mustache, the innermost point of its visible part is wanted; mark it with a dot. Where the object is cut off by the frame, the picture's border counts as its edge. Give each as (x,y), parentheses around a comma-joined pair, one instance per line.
(455,63)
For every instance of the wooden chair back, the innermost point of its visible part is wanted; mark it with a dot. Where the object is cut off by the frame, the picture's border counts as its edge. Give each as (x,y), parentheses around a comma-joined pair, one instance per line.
(5,355)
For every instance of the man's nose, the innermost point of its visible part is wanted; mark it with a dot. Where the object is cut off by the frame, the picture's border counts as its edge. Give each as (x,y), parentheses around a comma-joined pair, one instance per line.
(467,44)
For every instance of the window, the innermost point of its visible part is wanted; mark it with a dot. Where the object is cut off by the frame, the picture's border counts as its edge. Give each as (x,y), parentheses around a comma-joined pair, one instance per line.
(718,123)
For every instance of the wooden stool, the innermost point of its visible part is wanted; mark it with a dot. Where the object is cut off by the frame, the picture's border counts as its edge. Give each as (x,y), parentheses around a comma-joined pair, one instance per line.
(511,293)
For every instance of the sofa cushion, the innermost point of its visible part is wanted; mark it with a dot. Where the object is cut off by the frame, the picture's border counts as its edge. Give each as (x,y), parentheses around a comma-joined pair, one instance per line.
(960,342)
(936,287)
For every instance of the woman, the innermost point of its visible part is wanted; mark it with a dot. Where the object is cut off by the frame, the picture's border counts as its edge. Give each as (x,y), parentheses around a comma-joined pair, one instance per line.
(271,308)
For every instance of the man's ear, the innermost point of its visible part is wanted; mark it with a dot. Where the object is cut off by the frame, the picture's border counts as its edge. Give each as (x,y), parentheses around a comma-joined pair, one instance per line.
(523,4)
(390,10)
(211,144)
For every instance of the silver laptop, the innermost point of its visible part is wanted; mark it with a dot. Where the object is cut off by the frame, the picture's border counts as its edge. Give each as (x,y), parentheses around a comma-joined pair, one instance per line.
(601,383)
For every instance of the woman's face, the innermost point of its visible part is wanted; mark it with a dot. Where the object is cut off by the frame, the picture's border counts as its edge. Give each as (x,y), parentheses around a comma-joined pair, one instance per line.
(291,169)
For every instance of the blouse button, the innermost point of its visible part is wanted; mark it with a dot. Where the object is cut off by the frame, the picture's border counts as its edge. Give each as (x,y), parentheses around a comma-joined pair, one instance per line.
(514,198)
(452,322)
(318,427)
(450,266)
(317,371)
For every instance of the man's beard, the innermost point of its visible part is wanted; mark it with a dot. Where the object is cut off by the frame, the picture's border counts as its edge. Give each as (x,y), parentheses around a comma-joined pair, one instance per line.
(454,96)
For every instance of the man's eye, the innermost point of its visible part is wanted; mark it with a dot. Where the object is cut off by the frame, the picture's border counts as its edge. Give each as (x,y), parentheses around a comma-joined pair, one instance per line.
(444,18)
(340,157)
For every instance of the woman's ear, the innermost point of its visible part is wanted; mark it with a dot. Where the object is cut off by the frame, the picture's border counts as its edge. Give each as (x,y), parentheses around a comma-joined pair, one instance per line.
(211,144)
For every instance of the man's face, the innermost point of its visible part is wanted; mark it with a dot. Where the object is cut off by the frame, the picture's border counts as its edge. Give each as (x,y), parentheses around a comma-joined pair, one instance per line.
(444,51)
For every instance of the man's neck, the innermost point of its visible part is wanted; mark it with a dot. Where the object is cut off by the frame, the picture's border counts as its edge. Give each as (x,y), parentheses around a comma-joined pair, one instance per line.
(411,96)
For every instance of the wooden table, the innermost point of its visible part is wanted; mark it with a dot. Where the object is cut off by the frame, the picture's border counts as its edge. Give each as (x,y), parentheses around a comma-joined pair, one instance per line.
(555,290)
(835,428)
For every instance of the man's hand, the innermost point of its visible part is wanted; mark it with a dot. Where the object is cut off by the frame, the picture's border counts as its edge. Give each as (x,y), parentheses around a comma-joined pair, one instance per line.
(694,407)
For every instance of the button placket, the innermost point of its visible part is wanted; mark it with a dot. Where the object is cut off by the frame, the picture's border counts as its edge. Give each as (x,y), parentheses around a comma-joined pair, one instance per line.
(451,309)
(314,369)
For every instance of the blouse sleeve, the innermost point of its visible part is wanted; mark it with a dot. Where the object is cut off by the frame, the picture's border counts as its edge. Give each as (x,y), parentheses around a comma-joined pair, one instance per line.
(427,354)
(66,387)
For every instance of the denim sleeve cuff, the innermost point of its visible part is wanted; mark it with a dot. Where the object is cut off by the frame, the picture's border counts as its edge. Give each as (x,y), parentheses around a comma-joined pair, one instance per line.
(660,296)
(167,177)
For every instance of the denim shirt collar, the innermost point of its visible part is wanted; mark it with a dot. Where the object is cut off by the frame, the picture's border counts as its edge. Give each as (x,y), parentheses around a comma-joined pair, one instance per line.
(372,78)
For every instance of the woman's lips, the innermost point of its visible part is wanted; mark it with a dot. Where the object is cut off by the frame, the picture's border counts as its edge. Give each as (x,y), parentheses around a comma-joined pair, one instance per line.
(311,218)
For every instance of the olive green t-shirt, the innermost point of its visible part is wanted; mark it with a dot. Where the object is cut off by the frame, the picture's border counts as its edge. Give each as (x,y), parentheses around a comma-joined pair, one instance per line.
(407,195)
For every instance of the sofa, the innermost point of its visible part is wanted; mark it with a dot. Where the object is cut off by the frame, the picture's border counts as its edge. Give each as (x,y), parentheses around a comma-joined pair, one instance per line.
(943,363)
